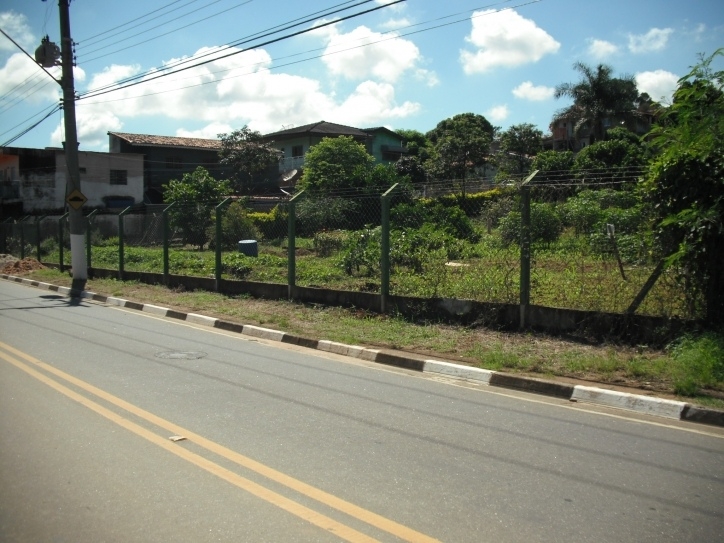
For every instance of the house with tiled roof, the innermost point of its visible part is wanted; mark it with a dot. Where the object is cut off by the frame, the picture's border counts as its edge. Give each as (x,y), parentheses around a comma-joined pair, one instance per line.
(168,157)
(382,143)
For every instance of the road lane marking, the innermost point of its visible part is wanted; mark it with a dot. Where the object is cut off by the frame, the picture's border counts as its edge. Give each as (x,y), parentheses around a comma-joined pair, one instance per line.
(337,528)
(373,519)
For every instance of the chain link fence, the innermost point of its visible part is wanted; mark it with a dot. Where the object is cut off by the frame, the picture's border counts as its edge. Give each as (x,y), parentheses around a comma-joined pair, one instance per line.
(557,240)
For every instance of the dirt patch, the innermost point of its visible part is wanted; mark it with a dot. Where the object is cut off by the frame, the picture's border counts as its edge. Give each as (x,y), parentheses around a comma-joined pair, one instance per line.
(11,265)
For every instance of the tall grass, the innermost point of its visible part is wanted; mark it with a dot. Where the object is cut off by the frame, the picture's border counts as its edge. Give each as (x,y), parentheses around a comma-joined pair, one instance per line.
(698,363)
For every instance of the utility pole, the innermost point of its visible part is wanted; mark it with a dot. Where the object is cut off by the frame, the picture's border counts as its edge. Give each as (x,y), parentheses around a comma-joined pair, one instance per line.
(73,196)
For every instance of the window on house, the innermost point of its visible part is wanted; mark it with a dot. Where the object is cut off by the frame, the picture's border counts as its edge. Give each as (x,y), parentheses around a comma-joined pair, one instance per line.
(297,150)
(119,177)
(174,162)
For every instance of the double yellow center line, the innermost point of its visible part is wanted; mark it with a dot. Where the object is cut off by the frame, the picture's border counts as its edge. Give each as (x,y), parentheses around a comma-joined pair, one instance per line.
(31,366)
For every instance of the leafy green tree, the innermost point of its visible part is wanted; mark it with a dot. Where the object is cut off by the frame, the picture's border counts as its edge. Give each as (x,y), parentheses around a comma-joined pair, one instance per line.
(418,145)
(247,154)
(461,144)
(412,168)
(518,145)
(685,185)
(195,195)
(597,98)
(336,164)
(620,155)
(552,165)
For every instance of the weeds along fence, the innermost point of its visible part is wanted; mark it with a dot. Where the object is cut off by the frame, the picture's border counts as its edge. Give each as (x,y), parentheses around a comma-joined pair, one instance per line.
(558,240)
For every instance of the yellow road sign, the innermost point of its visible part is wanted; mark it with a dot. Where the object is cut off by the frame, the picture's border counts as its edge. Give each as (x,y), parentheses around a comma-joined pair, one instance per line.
(76,199)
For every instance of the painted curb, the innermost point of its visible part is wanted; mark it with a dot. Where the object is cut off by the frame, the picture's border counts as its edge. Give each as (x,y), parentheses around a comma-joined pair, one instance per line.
(648,405)
(632,402)
(457,371)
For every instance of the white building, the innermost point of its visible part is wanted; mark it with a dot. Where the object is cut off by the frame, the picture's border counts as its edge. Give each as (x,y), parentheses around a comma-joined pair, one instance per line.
(36,179)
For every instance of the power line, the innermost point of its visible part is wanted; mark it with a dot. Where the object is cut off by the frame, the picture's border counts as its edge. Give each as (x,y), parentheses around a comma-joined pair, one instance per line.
(28,129)
(273,30)
(396,35)
(285,37)
(161,35)
(90,39)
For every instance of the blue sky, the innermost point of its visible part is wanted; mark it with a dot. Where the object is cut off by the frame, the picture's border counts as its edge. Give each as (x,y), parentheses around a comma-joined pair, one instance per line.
(408,65)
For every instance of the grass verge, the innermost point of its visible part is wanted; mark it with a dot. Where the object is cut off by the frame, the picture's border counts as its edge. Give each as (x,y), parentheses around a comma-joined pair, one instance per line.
(691,370)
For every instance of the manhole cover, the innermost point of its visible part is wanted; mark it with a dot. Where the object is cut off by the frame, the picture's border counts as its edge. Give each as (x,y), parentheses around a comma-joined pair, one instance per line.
(183,355)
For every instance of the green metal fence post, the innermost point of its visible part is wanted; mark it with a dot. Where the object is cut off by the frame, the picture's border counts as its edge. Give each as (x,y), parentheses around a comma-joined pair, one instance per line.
(219,209)
(89,217)
(166,233)
(525,249)
(4,227)
(121,242)
(61,239)
(292,244)
(385,248)
(22,237)
(37,235)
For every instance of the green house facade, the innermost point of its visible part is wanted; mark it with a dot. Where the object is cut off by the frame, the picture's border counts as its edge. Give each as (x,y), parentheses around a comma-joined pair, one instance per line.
(293,143)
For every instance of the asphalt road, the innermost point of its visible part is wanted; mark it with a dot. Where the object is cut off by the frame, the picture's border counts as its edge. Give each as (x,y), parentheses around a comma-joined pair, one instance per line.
(285,444)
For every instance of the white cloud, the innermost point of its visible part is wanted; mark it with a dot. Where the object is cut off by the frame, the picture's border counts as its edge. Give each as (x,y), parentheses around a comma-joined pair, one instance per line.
(16,26)
(394,24)
(659,84)
(111,74)
(229,93)
(498,113)
(601,49)
(92,125)
(23,80)
(699,32)
(428,77)
(363,53)
(654,40)
(372,102)
(210,131)
(528,91)
(504,38)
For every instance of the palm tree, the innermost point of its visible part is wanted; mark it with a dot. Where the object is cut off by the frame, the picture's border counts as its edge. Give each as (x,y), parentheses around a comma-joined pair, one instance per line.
(599,101)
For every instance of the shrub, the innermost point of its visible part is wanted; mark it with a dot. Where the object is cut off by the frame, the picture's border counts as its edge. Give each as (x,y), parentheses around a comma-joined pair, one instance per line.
(412,248)
(327,213)
(545,226)
(236,225)
(362,250)
(271,225)
(326,243)
(588,209)
(498,209)
(48,246)
(452,220)
(474,204)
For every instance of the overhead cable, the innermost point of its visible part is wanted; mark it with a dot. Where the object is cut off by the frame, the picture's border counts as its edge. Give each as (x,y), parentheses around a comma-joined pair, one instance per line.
(265,33)
(275,40)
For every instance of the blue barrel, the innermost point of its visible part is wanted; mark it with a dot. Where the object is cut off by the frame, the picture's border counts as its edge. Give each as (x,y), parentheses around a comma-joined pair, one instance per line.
(249,247)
